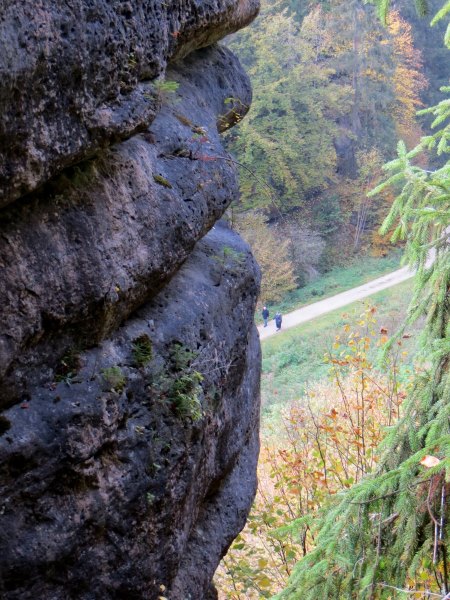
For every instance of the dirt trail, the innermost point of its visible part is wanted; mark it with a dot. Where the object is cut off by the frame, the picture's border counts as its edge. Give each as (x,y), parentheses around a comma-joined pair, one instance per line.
(306,313)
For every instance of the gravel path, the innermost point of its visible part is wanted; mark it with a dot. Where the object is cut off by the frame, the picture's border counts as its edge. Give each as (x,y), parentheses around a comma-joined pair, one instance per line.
(306,313)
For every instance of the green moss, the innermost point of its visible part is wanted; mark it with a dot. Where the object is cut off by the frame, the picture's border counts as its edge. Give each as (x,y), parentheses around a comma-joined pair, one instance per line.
(180,385)
(184,394)
(166,87)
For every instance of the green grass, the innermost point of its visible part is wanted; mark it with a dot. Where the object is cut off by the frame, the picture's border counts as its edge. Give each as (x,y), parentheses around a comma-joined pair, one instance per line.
(360,271)
(294,358)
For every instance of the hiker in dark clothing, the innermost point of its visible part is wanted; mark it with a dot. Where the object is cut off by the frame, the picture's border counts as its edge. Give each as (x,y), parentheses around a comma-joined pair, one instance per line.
(278,319)
(265,315)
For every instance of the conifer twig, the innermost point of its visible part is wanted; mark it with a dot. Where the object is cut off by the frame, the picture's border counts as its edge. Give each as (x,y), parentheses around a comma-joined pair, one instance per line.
(441,537)
(436,524)
(377,560)
(392,587)
(389,494)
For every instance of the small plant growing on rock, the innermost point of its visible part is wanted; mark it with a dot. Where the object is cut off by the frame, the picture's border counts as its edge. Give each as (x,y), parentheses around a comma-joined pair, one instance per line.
(185,389)
(165,90)
(114,379)
(166,87)
(227,256)
(184,394)
(181,385)
(68,367)
(142,350)
(236,108)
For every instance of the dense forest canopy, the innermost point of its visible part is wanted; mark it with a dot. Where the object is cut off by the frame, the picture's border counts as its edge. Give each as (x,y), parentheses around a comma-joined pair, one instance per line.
(334,90)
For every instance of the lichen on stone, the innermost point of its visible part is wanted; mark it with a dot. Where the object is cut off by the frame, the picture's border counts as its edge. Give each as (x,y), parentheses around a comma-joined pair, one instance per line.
(162,181)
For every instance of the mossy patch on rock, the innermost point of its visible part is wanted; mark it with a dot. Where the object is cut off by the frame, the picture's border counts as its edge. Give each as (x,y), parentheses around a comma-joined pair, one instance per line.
(162,181)
(114,379)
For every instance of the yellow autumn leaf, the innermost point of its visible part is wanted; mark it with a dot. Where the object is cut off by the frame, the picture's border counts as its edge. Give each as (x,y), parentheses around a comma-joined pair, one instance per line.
(265,582)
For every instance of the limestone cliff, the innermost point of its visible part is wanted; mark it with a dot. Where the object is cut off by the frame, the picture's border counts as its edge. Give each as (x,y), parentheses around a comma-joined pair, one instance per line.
(129,362)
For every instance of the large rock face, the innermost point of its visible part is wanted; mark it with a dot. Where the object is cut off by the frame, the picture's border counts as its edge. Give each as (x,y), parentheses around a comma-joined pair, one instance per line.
(76,76)
(129,362)
(85,251)
(114,487)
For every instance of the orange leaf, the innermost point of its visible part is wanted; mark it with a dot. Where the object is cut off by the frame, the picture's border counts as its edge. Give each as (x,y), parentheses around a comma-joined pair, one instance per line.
(429,461)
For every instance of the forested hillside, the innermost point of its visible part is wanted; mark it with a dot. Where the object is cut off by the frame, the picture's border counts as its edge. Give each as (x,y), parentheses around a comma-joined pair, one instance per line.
(353,501)
(334,90)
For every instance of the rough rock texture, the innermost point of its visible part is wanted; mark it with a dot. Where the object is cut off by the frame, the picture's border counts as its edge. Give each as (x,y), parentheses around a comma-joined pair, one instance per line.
(88,249)
(129,362)
(110,494)
(76,76)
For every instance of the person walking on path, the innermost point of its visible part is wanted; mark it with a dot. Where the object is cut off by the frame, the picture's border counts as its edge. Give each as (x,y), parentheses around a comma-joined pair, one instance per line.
(278,319)
(265,315)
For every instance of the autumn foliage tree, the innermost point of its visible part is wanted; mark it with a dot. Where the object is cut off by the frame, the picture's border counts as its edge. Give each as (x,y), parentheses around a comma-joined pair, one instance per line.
(278,276)
(287,137)
(409,80)
(332,89)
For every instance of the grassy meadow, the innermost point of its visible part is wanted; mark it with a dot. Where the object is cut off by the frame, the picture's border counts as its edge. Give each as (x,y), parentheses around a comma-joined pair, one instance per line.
(294,359)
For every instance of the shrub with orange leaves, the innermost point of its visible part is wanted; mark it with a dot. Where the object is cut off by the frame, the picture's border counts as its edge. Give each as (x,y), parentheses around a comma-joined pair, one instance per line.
(325,441)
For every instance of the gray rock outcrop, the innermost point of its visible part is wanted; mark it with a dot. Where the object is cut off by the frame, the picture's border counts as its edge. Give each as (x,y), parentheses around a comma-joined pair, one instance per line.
(129,362)
(77,76)
(110,488)
(79,256)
